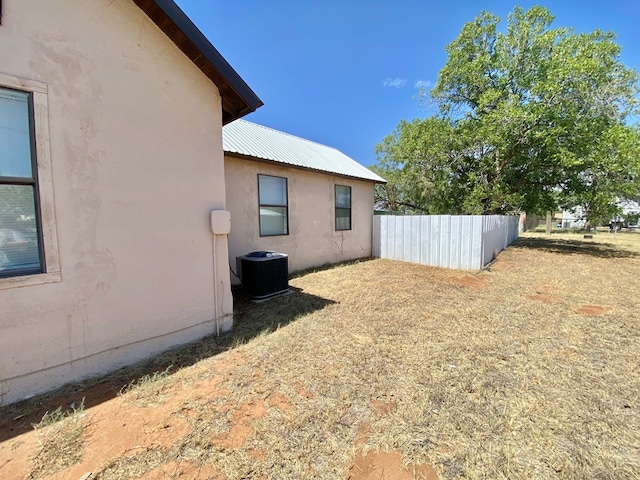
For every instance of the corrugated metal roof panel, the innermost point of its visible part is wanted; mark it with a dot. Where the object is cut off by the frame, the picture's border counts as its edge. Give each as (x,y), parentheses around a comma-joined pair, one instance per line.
(246,138)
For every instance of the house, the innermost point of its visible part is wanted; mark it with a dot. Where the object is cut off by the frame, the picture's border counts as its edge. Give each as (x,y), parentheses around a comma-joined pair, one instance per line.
(111,164)
(574,218)
(294,196)
(629,210)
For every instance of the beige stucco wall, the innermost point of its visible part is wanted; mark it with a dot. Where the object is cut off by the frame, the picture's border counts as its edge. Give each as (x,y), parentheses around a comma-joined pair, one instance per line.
(136,166)
(312,239)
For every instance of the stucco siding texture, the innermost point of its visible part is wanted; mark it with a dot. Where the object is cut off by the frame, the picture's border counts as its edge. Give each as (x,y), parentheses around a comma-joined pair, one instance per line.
(137,163)
(258,141)
(312,238)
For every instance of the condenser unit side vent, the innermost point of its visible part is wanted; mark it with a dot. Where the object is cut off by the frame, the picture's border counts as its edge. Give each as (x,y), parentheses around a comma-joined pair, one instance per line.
(263,274)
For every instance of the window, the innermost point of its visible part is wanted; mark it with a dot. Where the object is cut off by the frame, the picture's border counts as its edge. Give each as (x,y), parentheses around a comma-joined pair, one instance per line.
(20,232)
(29,252)
(343,207)
(274,211)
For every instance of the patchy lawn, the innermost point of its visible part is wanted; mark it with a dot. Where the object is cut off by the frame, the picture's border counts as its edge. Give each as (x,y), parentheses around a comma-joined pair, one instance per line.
(378,369)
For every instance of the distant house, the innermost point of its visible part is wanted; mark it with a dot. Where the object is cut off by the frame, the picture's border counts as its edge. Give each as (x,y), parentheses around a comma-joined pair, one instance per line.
(576,217)
(111,162)
(630,207)
(295,196)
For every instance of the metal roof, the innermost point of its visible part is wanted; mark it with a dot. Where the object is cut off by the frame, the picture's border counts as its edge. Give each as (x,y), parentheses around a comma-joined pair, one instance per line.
(248,139)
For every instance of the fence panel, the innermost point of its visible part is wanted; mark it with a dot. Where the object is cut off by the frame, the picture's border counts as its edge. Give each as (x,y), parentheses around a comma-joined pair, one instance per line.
(466,242)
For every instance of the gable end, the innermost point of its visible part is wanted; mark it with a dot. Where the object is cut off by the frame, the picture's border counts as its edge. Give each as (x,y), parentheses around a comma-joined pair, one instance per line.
(237,97)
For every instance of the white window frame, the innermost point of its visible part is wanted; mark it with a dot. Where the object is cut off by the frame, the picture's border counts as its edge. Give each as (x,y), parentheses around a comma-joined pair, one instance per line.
(284,205)
(51,265)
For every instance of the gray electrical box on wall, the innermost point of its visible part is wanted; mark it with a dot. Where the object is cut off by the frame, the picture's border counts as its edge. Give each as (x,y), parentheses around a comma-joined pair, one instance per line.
(220,222)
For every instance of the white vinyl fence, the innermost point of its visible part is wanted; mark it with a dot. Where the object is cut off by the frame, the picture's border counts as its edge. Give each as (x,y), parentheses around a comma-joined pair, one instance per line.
(465,242)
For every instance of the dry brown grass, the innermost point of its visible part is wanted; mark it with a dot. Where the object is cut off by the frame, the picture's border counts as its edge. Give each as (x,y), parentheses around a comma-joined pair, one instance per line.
(481,383)
(508,377)
(148,390)
(133,465)
(59,435)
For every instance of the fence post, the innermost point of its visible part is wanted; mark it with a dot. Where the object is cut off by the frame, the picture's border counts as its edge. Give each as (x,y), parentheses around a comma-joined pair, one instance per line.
(548,223)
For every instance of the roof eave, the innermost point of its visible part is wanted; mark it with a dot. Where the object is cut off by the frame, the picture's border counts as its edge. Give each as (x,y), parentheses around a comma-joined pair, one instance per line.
(237,97)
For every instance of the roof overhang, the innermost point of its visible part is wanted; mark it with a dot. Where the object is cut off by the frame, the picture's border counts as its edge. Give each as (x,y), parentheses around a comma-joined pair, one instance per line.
(243,156)
(237,97)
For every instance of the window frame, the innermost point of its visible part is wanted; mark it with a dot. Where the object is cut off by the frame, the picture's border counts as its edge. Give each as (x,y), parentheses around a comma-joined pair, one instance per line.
(335,201)
(30,182)
(285,206)
(42,181)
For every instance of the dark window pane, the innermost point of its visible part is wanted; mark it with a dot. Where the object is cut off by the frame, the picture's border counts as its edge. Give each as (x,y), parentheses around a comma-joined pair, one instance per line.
(343,219)
(343,207)
(19,250)
(15,142)
(343,196)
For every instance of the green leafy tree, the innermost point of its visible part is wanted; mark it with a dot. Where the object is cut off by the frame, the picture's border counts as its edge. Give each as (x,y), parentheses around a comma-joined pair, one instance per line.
(525,117)
(406,159)
(609,173)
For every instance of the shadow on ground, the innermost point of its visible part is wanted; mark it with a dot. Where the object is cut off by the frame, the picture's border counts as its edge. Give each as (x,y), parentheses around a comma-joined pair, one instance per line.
(572,247)
(250,320)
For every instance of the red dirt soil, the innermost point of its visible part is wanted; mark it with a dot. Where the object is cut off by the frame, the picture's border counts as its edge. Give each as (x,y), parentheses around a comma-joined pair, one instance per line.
(183,471)
(545,298)
(477,283)
(593,310)
(242,428)
(119,428)
(500,265)
(380,465)
(388,466)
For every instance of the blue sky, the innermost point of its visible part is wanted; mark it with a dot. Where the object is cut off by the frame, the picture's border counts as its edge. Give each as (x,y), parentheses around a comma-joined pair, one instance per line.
(344,72)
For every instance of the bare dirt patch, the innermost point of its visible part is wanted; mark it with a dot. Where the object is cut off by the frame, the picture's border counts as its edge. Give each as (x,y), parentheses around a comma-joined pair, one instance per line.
(545,298)
(384,368)
(593,310)
(280,401)
(475,282)
(183,471)
(499,264)
(377,465)
(242,425)
(383,407)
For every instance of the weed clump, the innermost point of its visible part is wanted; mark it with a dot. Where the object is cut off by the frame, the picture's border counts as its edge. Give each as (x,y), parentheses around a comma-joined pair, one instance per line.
(60,435)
